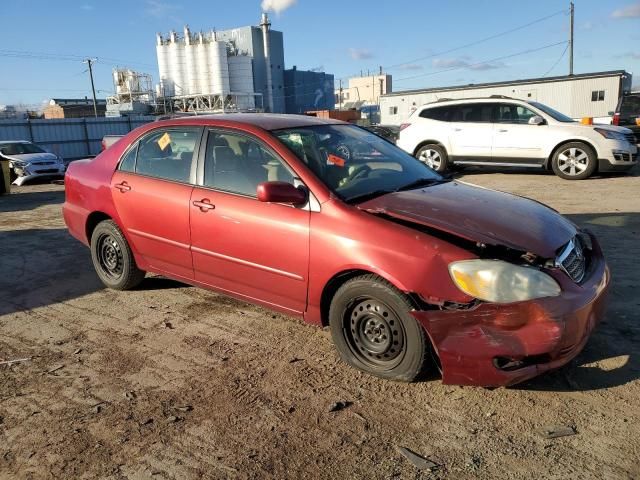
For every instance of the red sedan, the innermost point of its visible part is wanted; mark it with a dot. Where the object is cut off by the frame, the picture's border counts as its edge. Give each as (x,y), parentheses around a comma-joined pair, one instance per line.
(329,222)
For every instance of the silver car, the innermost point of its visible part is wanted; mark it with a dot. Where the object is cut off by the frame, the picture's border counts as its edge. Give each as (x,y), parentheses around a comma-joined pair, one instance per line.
(28,161)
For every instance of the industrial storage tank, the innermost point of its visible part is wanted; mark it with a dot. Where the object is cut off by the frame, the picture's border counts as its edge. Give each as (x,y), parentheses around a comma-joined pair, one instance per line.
(202,59)
(191,66)
(162,51)
(218,67)
(176,62)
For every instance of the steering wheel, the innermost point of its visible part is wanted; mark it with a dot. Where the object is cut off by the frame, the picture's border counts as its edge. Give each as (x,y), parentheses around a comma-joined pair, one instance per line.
(358,172)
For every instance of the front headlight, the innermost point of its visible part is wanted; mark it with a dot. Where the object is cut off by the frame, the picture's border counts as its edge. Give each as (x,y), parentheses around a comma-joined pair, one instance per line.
(501,282)
(610,135)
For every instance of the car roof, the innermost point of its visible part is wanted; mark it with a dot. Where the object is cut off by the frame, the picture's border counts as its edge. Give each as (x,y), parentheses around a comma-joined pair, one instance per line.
(266,121)
(458,101)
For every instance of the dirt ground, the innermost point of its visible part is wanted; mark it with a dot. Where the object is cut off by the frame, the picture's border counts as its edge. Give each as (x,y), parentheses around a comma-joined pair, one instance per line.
(170,381)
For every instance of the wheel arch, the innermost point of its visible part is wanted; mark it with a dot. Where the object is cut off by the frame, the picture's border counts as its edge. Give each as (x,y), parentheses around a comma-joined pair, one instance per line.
(337,280)
(547,164)
(427,142)
(93,220)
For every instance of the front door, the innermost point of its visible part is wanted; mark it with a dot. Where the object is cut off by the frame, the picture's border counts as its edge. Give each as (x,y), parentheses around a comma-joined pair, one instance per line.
(514,140)
(471,132)
(240,245)
(151,190)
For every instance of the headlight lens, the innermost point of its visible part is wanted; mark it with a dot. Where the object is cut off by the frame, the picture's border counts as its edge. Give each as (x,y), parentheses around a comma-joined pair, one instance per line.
(610,135)
(501,282)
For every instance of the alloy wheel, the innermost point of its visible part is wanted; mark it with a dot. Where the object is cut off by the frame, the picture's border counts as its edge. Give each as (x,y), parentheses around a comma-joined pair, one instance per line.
(573,161)
(431,157)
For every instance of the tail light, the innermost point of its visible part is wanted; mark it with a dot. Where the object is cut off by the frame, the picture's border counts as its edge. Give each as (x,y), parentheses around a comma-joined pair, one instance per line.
(616,119)
(404,125)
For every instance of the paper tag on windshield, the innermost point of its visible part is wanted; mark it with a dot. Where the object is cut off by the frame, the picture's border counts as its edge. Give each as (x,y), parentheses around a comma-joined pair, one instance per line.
(335,160)
(164,141)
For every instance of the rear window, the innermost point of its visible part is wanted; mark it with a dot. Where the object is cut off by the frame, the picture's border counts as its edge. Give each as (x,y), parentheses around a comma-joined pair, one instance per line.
(630,105)
(438,113)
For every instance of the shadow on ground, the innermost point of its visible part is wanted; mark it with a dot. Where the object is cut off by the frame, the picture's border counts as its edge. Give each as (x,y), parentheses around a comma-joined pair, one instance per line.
(19,202)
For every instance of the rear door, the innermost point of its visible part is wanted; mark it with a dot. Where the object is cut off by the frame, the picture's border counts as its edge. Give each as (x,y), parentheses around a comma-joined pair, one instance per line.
(240,245)
(471,132)
(151,190)
(514,140)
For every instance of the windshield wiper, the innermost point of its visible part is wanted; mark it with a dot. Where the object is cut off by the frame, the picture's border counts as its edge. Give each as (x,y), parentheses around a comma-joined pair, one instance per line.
(368,196)
(422,182)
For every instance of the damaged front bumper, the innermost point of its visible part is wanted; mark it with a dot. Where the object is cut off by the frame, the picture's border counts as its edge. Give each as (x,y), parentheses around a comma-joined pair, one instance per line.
(504,344)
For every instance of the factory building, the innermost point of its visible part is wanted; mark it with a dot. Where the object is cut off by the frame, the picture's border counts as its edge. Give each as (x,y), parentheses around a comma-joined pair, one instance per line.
(582,95)
(239,69)
(307,90)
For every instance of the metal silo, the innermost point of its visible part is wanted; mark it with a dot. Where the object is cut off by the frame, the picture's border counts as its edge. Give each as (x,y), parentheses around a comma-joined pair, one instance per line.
(176,63)
(241,80)
(218,67)
(166,82)
(190,65)
(202,61)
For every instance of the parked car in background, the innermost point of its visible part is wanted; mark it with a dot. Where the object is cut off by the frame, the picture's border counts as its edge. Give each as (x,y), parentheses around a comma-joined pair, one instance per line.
(627,113)
(109,140)
(28,161)
(502,131)
(402,264)
(388,132)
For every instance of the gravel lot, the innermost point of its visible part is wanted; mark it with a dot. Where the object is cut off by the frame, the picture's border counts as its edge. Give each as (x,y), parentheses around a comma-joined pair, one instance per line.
(170,381)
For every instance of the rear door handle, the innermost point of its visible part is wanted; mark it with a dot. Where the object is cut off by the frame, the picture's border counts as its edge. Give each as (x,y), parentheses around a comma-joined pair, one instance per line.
(123,187)
(502,130)
(457,129)
(204,205)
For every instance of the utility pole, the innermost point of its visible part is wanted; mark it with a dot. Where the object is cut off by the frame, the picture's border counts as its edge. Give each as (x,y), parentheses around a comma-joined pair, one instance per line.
(89,62)
(340,95)
(571,38)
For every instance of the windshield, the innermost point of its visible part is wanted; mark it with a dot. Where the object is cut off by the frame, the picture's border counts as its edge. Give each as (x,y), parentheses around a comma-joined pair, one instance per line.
(354,163)
(556,115)
(19,148)
(630,106)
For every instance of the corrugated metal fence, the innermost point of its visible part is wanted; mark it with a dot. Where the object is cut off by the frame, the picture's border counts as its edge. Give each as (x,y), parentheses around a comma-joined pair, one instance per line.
(71,138)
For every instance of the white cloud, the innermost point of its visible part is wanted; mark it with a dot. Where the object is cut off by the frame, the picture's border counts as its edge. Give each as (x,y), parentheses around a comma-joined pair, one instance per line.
(634,55)
(360,53)
(277,6)
(159,9)
(465,62)
(630,11)
(86,7)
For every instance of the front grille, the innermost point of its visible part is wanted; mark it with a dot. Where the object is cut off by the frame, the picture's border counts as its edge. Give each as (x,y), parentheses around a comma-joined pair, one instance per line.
(44,163)
(572,260)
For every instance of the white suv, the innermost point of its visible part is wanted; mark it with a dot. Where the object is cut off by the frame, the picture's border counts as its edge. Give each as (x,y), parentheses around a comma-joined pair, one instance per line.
(502,131)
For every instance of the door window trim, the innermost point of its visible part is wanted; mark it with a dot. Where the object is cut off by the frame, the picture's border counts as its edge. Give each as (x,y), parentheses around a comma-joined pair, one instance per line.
(194,157)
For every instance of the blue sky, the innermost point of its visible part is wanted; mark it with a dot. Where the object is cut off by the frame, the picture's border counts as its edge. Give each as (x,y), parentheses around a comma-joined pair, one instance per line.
(411,39)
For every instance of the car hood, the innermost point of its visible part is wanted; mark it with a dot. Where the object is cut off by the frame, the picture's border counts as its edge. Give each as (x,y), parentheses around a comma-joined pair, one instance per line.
(610,128)
(480,215)
(34,157)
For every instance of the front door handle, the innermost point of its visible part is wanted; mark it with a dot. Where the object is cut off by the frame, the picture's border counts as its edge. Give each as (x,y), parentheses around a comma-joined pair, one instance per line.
(123,187)
(204,205)
(502,130)
(457,129)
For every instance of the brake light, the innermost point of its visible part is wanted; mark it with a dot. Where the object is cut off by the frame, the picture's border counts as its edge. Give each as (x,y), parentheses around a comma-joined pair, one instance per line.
(404,125)
(616,119)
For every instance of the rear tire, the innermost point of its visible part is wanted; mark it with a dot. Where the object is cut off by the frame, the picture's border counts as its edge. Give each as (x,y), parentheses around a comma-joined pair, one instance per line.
(434,156)
(374,331)
(574,161)
(113,259)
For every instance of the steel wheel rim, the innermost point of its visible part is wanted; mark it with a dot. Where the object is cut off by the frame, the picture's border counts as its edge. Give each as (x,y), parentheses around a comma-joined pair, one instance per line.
(374,333)
(573,161)
(110,257)
(431,157)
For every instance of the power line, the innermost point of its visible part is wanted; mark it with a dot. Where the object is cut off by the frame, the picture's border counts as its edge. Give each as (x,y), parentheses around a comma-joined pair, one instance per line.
(557,61)
(471,65)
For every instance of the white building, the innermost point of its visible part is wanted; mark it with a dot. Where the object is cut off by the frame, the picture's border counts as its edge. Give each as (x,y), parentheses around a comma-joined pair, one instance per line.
(584,95)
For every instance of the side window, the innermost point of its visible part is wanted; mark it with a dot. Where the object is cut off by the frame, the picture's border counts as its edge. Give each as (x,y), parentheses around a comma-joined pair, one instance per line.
(509,113)
(472,113)
(128,162)
(393,110)
(167,153)
(597,96)
(438,113)
(235,163)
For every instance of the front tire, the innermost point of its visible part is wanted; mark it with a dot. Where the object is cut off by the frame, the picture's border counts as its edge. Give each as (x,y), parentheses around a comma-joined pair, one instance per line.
(113,259)
(374,331)
(434,156)
(574,161)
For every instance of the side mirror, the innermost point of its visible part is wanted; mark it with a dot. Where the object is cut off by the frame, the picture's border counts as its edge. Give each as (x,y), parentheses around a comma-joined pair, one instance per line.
(536,120)
(281,192)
